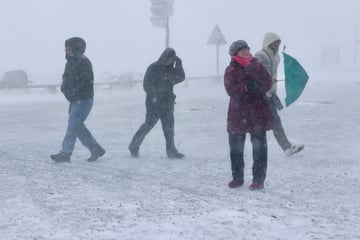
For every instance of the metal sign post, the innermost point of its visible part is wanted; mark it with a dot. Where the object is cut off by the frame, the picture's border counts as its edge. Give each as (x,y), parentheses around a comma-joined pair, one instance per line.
(356,45)
(162,10)
(217,38)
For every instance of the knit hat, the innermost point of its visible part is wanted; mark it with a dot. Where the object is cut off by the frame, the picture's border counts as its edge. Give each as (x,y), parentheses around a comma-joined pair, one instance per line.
(237,46)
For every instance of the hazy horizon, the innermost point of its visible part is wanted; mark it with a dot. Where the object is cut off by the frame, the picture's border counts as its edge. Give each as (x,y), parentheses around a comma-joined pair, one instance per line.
(121,38)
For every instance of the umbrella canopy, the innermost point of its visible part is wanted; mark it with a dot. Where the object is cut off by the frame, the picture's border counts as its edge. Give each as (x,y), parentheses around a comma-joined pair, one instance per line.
(295,78)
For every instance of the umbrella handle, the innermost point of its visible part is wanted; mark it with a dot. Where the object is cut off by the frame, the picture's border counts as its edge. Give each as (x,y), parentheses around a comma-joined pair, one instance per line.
(280,80)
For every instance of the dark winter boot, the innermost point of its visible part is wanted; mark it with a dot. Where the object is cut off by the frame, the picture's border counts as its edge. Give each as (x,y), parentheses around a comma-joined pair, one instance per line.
(139,136)
(256,186)
(60,158)
(134,152)
(96,153)
(235,183)
(175,155)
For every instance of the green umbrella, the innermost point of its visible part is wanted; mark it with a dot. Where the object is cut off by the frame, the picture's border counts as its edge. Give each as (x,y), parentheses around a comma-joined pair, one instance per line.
(295,78)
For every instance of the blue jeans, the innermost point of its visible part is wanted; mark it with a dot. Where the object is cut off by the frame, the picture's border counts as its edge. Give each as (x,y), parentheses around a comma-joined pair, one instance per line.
(78,112)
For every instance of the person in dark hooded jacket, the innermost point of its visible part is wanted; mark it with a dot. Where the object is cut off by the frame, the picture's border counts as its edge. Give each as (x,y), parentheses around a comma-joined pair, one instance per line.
(78,88)
(159,81)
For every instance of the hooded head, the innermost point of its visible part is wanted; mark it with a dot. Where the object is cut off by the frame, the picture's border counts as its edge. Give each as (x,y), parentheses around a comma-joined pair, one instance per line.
(77,44)
(270,38)
(168,56)
(237,46)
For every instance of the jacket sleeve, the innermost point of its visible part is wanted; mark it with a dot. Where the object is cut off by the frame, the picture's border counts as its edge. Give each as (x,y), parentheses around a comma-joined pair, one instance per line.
(148,83)
(233,87)
(264,60)
(177,73)
(67,81)
(264,77)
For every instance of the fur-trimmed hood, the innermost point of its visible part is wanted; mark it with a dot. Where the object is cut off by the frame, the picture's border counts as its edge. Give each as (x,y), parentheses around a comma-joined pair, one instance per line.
(270,38)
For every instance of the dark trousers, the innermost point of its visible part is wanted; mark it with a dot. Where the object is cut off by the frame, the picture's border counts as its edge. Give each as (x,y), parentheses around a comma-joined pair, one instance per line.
(259,153)
(153,114)
(278,129)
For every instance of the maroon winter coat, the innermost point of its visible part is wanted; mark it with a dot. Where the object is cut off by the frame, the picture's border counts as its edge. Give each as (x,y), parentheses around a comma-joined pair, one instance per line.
(248,111)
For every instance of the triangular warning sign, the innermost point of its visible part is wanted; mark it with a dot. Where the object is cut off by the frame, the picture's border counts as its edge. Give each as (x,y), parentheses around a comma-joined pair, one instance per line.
(216,37)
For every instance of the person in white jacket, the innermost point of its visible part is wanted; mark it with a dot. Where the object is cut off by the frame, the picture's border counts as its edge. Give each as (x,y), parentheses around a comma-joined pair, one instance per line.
(269,57)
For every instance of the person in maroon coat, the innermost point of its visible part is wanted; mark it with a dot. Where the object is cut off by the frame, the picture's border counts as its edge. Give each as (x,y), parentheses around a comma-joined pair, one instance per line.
(246,82)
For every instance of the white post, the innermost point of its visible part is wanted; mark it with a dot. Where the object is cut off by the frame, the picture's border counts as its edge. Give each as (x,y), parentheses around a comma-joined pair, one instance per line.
(162,10)
(217,61)
(355,47)
(167,44)
(217,38)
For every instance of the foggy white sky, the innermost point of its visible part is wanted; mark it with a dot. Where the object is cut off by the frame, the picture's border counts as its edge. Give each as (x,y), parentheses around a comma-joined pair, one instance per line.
(121,38)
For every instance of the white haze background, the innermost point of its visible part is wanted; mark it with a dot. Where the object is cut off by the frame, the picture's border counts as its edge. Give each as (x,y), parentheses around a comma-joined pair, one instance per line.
(121,38)
(312,195)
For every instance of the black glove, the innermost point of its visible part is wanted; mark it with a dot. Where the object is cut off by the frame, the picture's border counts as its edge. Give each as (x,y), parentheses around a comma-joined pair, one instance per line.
(252,86)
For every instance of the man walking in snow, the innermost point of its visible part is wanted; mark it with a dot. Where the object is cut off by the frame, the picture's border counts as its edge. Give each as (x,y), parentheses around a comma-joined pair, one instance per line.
(78,88)
(269,57)
(159,81)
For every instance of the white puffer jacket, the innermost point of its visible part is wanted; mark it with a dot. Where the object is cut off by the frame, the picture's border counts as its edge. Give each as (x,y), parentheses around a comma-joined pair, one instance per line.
(269,59)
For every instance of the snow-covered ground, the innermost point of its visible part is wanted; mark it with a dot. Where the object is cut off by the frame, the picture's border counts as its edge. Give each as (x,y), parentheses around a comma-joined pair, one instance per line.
(312,195)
